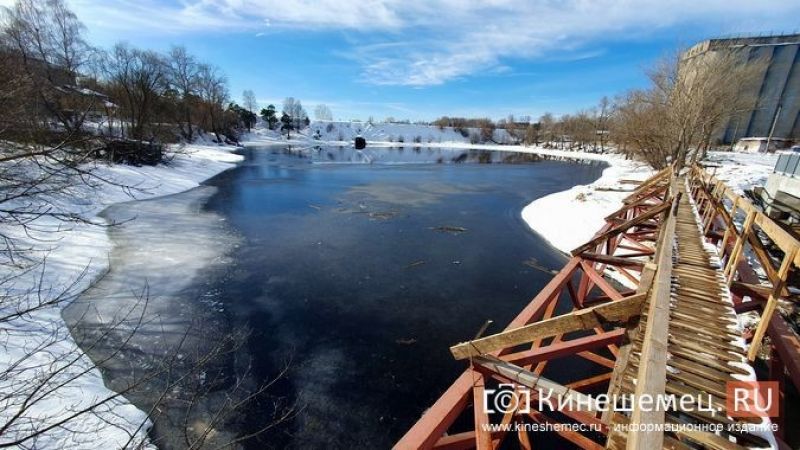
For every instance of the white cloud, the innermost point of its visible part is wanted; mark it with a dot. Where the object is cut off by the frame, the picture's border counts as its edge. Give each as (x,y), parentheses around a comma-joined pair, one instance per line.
(429,42)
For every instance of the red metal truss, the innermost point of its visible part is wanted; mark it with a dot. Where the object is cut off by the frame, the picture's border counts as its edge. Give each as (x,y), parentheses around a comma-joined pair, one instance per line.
(624,247)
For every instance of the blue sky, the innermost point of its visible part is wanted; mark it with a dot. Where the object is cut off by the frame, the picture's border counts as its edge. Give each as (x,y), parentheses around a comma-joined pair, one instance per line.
(422,59)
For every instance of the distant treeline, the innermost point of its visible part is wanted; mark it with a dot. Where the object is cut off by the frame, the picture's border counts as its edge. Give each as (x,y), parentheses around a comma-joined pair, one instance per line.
(54,84)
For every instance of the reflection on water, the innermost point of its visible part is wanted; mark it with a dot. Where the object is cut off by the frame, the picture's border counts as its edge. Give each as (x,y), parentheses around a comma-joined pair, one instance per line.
(406,155)
(362,273)
(365,274)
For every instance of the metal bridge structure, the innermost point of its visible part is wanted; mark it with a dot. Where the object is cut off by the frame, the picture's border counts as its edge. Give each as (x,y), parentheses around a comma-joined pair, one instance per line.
(650,306)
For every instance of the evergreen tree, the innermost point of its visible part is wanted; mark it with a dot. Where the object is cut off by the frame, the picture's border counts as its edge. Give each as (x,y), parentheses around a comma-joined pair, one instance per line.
(243,117)
(269,116)
(288,124)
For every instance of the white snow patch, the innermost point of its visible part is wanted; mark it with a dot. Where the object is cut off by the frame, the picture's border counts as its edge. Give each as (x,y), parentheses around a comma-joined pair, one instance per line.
(742,171)
(569,218)
(80,253)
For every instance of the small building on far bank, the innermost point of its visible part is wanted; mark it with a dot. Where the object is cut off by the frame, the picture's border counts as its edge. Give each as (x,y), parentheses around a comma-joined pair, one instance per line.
(760,145)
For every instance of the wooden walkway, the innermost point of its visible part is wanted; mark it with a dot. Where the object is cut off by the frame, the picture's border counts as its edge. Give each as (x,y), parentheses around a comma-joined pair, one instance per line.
(704,349)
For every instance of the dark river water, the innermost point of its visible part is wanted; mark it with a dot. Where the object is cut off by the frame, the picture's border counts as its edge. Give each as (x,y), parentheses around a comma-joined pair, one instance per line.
(360,269)
(360,274)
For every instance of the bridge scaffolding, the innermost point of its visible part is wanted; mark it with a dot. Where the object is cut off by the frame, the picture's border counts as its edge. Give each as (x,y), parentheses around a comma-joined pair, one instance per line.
(690,255)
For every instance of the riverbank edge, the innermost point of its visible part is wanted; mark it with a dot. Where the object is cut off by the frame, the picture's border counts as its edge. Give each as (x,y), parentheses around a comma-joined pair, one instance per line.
(564,219)
(77,261)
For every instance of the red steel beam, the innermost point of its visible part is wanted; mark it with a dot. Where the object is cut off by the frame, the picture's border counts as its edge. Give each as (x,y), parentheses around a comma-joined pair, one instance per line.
(572,436)
(565,348)
(458,441)
(787,345)
(482,432)
(438,418)
(434,423)
(601,282)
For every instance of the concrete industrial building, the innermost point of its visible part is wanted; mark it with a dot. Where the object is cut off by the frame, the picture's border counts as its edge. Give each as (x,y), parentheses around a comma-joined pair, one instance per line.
(778,103)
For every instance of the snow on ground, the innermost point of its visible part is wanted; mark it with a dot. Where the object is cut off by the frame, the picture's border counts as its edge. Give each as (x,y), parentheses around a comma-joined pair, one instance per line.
(742,171)
(566,219)
(77,255)
(569,218)
(338,133)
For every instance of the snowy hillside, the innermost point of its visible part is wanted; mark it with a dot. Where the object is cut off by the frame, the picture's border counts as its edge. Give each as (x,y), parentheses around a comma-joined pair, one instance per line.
(335,131)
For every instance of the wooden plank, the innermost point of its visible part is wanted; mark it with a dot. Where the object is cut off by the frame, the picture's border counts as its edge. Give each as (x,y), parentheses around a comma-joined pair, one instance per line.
(613,260)
(778,235)
(632,330)
(772,302)
(651,376)
(730,268)
(763,256)
(583,319)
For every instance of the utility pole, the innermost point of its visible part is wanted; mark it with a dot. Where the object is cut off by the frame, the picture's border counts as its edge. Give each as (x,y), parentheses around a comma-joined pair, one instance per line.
(774,122)
(735,132)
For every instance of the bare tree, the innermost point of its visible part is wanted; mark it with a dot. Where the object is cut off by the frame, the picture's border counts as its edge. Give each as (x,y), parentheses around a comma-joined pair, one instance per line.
(603,116)
(640,127)
(686,104)
(48,160)
(136,79)
(322,112)
(184,79)
(47,38)
(294,109)
(249,101)
(213,90)
(546,125)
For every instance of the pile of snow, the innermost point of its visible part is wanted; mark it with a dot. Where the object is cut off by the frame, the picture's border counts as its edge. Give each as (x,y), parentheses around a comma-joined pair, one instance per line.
(77,256)
(381,133)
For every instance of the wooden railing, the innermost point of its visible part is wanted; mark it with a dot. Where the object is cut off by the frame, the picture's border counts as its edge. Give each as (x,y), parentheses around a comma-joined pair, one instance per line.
(720,208)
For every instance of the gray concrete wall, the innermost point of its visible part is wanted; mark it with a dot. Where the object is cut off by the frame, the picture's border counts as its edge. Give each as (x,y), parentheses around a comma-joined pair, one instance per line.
(780,85)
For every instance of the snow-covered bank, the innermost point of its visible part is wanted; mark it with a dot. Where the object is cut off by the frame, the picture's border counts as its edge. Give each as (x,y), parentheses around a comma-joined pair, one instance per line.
(377,134)
(569,218)
(565,219)
(174,249)
(76,256)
